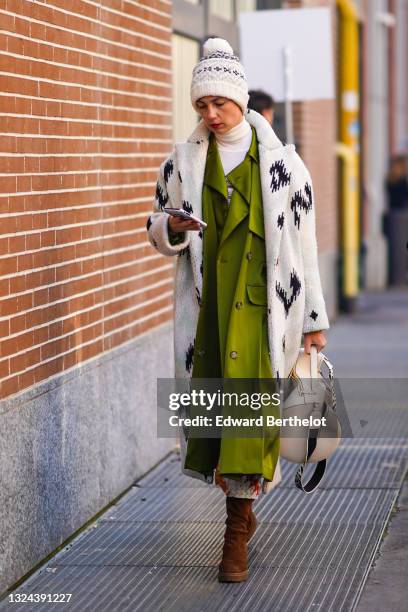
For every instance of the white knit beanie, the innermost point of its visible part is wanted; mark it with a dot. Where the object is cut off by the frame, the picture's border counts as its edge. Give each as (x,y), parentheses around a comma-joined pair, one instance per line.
(219,73)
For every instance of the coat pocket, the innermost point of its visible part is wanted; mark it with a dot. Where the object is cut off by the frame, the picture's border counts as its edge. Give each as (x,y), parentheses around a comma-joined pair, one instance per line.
(257,295)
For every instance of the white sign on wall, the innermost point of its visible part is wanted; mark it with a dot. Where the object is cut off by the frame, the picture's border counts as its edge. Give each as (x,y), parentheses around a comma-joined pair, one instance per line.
(303,36)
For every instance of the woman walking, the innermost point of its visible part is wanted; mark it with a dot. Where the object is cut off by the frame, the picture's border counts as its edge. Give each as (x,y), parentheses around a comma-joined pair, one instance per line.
(248,286)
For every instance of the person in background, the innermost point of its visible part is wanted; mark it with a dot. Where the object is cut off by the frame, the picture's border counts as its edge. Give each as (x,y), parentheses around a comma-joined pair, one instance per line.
(395,218)
(262,103)
(396,182)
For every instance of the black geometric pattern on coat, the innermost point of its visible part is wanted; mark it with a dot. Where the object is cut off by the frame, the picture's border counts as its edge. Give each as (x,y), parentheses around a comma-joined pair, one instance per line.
(198,296)
(154,242)
(160,197)
(299,202)
(189,357)
(295,285)
(149,222)
(187,206)
(185,251)
(168,170)
(200,234)
(283,343)
(280,175)
(314,315)
(179,175)
(201,268)
(281,219)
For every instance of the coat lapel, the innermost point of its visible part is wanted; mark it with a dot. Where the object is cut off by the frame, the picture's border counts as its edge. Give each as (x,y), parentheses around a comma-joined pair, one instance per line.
(214,175)
(237,213)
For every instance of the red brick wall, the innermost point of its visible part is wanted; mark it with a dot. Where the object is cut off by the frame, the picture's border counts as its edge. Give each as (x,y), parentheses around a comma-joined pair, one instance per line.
(85,103)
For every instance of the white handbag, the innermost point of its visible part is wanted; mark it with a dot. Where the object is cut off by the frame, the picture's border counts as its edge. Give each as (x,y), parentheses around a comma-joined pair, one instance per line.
(311,395)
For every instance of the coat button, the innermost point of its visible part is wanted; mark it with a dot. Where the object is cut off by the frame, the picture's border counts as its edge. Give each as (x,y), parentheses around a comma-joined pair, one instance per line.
(249,255)
(238,305)
(233,354)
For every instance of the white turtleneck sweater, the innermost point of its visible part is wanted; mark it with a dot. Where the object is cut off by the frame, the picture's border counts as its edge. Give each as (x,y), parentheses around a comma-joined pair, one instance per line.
(233,146)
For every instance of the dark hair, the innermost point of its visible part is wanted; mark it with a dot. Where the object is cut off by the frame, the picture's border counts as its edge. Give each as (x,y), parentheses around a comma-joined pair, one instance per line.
(259,100)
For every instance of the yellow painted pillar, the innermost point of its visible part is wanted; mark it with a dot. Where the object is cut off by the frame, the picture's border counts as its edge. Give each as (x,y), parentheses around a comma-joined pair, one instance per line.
(348,150)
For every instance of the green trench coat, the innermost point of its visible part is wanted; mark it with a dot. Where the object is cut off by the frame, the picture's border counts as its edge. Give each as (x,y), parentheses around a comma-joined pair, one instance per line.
(232,335)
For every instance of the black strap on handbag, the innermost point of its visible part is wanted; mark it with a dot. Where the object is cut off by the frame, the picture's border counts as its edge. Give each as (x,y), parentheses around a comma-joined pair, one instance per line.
(320,469)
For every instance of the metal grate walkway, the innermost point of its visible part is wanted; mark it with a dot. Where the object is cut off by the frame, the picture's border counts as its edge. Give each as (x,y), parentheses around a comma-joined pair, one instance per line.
(159,547)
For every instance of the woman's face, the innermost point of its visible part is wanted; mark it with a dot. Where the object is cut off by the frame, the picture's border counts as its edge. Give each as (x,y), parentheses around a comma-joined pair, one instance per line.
(219,114)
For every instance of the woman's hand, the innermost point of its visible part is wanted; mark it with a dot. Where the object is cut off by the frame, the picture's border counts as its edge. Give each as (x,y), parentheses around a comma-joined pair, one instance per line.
(317,338)
(178,224)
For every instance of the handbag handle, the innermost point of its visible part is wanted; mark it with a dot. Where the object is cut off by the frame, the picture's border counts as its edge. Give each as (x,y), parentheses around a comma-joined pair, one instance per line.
(320,468)
(313,362)
(313,365)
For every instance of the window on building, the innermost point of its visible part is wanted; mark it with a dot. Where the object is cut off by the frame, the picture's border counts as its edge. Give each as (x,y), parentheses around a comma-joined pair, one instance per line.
(243,6)
(223,9)
(185,55)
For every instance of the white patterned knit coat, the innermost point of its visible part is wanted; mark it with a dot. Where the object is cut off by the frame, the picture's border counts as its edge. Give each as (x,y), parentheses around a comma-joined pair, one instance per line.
(295,300)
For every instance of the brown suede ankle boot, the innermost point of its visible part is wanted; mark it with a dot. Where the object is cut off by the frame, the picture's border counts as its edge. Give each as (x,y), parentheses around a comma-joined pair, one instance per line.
(234,564)
(251,523)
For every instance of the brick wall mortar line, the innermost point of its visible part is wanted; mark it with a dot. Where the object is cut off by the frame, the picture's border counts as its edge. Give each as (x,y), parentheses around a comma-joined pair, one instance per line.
(56,228)
(81,173)
(80,51)
(81,277)
(93,138)
(64,245)
(147,8)
(76,68)
(91,36)
(77,190)
(56,118)
(77,260)
(79,295)
(141,199)
(111,10)
(87,104)
(78,155)
(98,90)
(99,23)
(98,321)
(94,340)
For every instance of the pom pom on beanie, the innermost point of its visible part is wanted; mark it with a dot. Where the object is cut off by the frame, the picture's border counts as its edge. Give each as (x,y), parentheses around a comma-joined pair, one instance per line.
(212,45)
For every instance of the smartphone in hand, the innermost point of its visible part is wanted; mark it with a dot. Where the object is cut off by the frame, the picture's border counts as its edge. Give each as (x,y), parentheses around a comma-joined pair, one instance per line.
(180,212)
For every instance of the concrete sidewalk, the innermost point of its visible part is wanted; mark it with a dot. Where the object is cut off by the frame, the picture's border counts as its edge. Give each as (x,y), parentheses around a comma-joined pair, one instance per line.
(380,335)
(158,548)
